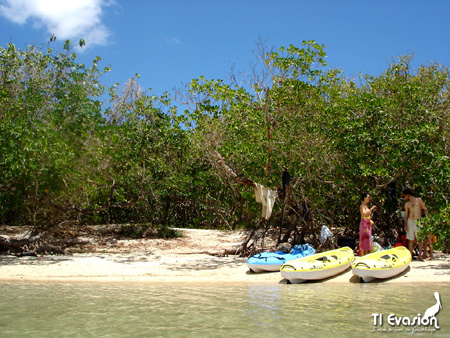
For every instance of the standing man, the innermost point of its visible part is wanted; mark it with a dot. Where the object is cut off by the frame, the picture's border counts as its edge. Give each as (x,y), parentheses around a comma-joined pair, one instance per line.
(413,211)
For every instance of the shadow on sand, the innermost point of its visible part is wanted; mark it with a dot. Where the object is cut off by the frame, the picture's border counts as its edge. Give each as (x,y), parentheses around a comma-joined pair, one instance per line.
(210,263)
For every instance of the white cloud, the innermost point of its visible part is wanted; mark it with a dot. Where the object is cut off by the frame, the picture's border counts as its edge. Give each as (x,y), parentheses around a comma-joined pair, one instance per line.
(173,41)
(67,19)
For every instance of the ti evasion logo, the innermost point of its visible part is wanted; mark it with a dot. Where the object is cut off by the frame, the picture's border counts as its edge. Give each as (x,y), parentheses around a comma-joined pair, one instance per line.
(415,324)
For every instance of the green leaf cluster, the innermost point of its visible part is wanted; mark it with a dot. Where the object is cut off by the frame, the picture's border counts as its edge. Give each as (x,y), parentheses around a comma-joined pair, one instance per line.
(436,224)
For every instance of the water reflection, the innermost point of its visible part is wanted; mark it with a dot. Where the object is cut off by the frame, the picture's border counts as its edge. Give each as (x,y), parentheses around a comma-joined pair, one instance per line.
(175,310)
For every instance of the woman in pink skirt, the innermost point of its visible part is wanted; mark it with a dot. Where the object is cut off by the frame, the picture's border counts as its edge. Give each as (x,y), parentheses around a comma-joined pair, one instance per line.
(365,227)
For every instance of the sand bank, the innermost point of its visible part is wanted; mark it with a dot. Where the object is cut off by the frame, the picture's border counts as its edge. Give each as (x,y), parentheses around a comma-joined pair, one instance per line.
(176,268)
(181,260)
(186,268)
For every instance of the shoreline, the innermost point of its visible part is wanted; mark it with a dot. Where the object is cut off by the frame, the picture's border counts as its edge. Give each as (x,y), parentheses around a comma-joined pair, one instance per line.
(181,268)
(192,258)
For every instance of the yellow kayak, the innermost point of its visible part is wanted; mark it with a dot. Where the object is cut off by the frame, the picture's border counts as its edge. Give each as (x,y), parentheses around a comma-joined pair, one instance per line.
(318,266)
(382,264)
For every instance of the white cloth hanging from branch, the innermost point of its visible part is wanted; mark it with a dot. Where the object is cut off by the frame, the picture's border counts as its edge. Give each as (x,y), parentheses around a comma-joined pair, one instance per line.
(267,197)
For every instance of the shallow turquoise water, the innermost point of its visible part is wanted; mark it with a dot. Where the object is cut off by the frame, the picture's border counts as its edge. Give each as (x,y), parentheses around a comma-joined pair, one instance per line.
(176,310)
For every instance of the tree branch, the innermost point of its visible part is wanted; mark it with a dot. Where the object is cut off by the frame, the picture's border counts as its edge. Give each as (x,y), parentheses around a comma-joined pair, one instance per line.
(229,170)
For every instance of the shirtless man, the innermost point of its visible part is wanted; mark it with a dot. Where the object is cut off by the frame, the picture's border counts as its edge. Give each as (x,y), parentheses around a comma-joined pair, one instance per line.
(413,211)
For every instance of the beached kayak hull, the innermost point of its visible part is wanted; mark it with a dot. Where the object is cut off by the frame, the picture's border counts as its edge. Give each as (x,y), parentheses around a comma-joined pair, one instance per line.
(317,267)
(272,261)
(368,276)
(382,265)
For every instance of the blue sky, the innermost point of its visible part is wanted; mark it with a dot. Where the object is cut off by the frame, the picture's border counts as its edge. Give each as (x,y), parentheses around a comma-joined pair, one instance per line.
(170,42)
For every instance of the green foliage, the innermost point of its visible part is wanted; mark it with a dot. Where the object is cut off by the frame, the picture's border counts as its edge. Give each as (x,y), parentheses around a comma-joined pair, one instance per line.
(66,158)
(436,224)
(336,138)
(50,113)
(394,127)
(137,160)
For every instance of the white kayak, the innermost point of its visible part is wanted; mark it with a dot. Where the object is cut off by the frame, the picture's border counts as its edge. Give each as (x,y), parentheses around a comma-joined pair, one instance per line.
(318,266)
(383,264)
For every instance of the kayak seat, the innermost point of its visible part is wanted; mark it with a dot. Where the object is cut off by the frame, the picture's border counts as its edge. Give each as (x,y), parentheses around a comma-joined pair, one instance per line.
(327,259)
(393,257)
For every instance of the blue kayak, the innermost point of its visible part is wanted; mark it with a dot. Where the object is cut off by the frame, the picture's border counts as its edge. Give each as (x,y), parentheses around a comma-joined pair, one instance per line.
(272,261)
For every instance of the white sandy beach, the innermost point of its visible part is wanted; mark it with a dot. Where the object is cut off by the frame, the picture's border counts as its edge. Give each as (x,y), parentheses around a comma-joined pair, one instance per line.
(183,260)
